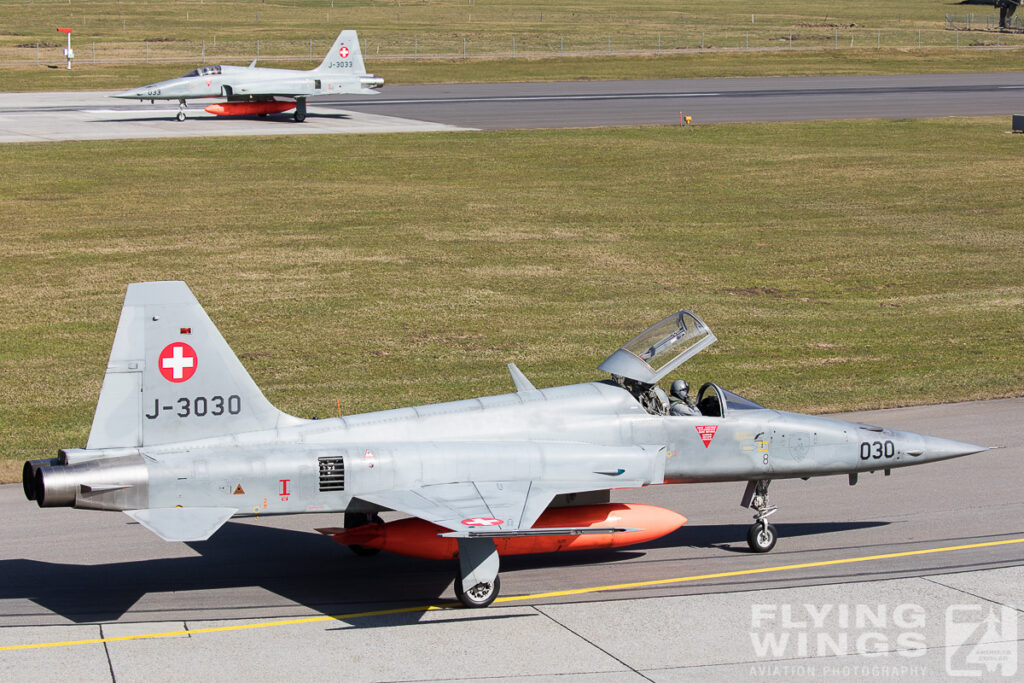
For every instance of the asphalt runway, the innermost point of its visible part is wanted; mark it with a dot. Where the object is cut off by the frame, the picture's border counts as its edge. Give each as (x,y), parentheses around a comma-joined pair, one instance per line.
(711,100)
(92,115)
(933,537)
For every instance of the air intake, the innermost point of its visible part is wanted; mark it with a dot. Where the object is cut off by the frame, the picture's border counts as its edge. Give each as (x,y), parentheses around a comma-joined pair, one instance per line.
(332,474)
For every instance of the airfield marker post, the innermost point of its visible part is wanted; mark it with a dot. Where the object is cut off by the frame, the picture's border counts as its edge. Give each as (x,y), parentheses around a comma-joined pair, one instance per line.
(68,52)
(311,49)
(659,43)
(203,59)
(94,52)
(837,39)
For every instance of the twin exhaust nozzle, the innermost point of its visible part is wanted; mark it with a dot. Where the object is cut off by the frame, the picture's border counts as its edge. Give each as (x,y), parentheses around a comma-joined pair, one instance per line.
(107,483)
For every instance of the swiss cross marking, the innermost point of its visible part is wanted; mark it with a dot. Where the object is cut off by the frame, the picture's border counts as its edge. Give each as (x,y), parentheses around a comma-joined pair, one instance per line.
(481,521)
(177,362)
(343,52)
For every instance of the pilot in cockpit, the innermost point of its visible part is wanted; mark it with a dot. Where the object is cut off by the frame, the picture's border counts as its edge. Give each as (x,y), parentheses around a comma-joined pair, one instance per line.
(682,404)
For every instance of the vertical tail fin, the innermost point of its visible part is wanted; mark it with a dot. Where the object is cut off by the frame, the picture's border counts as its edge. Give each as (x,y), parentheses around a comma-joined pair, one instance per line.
(345,57)
(172,377)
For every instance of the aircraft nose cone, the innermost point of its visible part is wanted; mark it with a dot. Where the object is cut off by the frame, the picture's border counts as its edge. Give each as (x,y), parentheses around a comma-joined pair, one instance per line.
(127,94)
(935,448)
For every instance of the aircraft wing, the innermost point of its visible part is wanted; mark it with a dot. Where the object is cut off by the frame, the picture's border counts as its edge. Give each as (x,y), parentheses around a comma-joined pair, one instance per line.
(482,508)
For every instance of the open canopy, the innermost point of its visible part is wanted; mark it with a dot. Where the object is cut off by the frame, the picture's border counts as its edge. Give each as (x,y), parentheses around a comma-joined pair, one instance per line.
(660,349)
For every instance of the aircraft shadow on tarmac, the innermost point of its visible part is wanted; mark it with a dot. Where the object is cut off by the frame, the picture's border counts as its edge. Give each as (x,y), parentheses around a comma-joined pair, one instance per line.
(307,569)
(165,116)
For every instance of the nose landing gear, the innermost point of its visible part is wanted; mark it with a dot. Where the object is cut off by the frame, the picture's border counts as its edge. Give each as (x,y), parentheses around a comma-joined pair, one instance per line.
(761,536)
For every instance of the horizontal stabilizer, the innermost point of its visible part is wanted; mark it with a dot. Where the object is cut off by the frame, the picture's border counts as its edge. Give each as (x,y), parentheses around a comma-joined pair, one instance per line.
(182,524)
(546,531)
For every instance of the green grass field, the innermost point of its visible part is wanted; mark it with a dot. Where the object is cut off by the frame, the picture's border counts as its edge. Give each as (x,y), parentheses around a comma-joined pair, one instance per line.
(843,265)
(193,31)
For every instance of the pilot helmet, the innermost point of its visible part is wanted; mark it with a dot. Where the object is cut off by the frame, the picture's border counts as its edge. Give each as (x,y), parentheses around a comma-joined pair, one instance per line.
(680,389)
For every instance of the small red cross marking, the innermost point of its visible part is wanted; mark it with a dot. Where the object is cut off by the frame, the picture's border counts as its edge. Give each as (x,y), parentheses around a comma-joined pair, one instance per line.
(343,52)
(481,521)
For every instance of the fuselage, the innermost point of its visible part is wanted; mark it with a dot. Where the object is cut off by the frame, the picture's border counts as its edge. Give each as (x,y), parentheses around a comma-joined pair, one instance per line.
(595,432)
(245,83)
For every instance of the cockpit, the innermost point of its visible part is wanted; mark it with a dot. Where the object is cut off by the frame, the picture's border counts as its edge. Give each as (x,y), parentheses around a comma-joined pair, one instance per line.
(204,71)
(643,361)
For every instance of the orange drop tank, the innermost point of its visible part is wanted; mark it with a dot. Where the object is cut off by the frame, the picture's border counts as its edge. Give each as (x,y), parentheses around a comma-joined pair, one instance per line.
(248,108)
(419,538)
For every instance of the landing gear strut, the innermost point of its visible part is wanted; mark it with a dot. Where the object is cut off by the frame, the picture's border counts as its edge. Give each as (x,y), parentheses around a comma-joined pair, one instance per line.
(181,110)
(477,582)
(300,109)
(357,519)
(761,536)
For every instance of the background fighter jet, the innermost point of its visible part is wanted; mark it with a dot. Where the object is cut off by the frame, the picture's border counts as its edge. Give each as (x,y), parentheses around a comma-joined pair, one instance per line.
(182,440)
(255,90)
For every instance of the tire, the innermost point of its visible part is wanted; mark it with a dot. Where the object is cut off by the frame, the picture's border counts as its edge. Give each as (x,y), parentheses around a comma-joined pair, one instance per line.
(357,519)
(480,595)
(762,540)
(181,116)
(299,118)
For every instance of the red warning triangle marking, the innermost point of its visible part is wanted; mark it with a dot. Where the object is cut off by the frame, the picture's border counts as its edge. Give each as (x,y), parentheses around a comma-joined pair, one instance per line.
(239,491)
(707,432)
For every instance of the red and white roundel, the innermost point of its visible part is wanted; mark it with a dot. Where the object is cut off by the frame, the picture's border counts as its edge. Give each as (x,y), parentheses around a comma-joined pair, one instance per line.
(343,52)
(177,362)
(481,521)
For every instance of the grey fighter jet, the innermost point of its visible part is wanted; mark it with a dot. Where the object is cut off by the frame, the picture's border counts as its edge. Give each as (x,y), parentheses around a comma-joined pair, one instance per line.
(262,91)
(183,440)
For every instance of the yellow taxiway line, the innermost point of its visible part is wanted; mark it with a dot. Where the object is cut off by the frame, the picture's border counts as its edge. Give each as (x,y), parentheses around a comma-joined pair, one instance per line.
(519,598)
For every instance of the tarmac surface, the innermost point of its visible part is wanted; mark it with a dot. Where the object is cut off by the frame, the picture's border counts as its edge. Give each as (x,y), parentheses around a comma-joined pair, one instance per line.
(26,117)
(916,575)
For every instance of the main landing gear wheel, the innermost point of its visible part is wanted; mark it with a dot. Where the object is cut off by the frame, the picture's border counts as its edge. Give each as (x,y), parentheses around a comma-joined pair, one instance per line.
(299,116)
(357,519)
(761,537)
(480,595)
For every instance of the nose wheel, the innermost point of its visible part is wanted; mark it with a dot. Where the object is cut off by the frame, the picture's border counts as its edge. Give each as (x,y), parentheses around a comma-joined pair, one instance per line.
(181,110)
(761,536)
